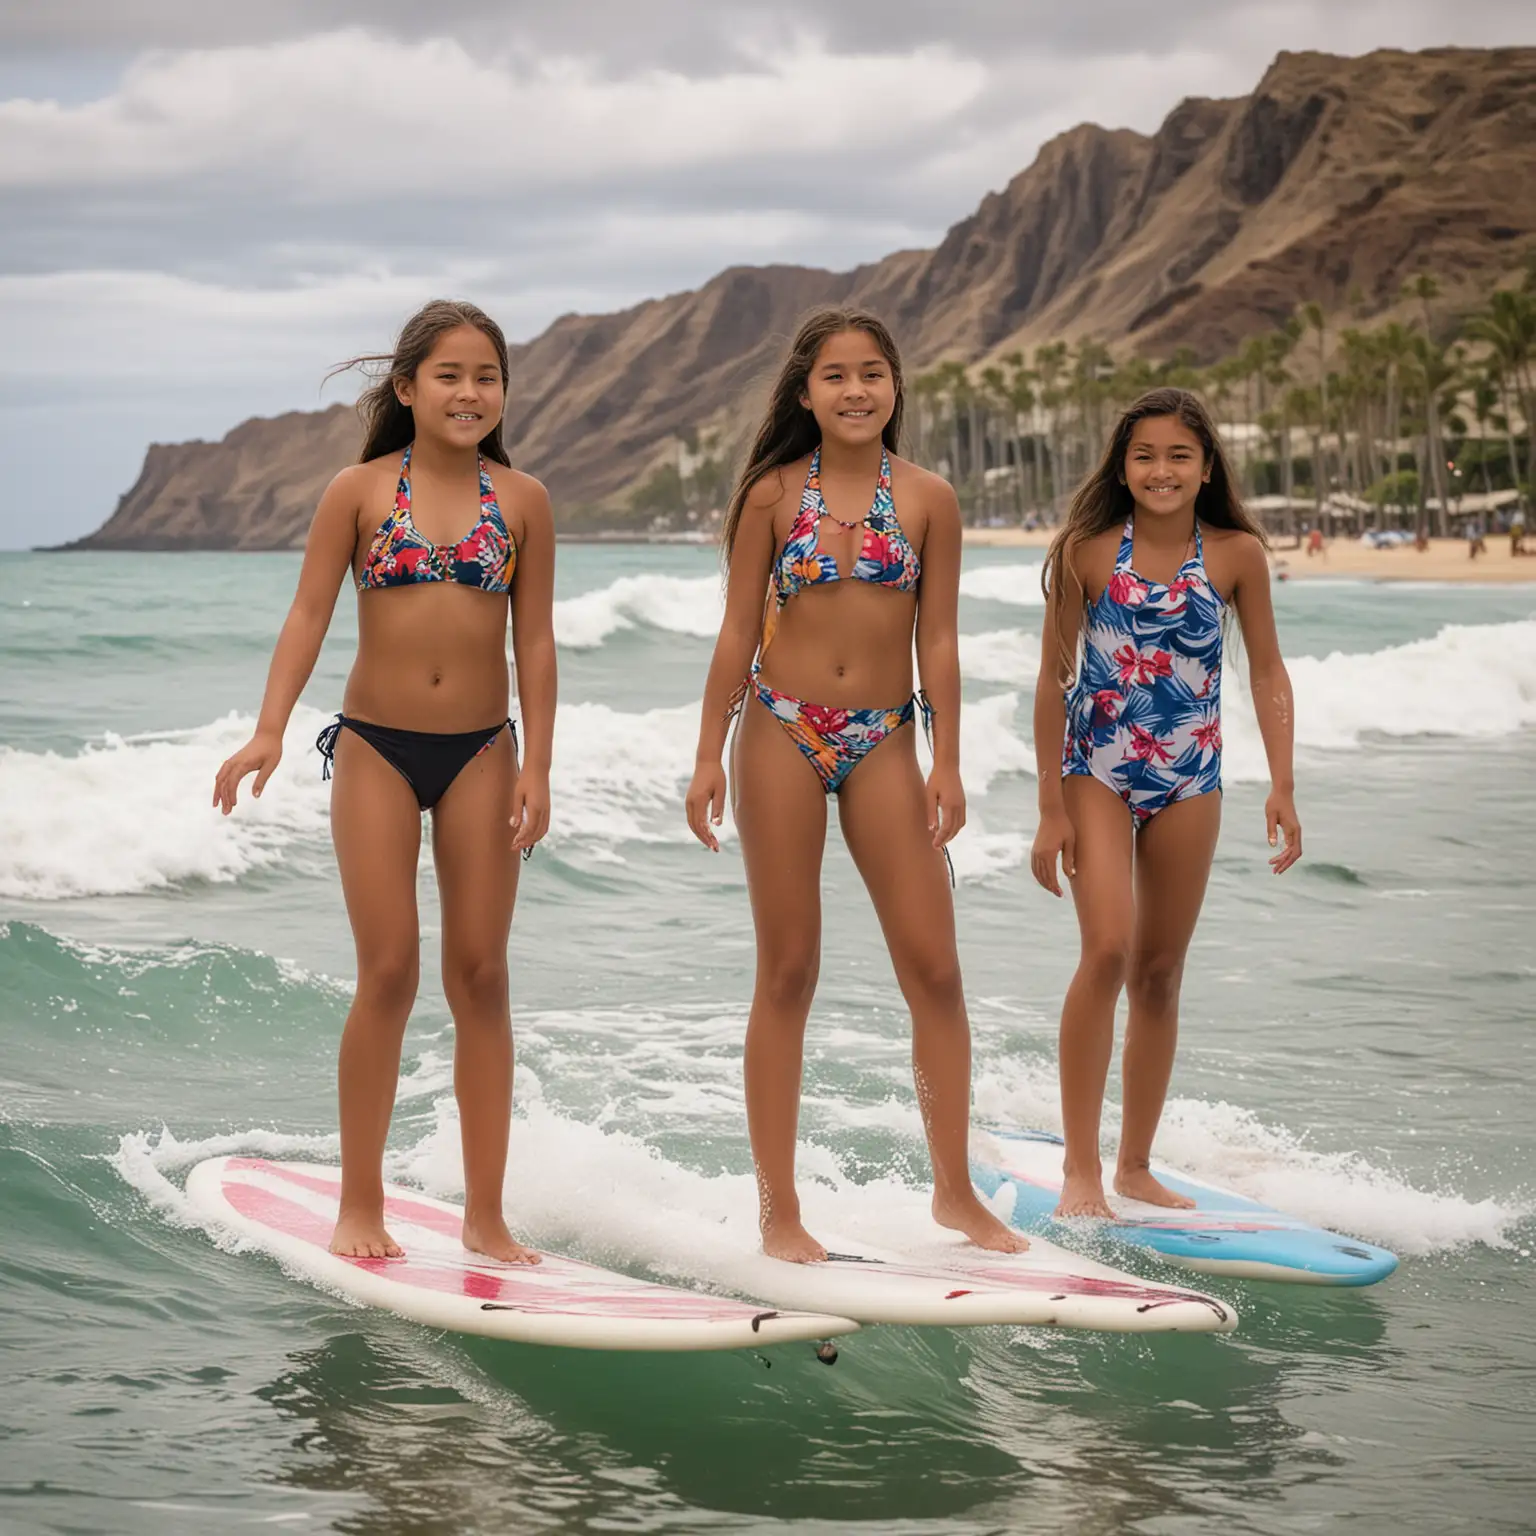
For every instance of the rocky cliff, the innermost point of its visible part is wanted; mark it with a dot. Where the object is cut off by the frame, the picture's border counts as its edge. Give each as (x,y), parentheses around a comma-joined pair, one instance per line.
(255,489)
(1334,181)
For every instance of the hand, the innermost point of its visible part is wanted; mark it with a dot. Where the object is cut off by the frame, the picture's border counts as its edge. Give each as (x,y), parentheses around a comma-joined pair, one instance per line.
(705,803)
(946,805)
(1054,838)
(530,808)
(1280,814)
(260,755)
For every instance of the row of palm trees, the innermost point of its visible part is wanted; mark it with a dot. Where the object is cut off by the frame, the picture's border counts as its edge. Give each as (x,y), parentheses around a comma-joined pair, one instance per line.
(1335,421)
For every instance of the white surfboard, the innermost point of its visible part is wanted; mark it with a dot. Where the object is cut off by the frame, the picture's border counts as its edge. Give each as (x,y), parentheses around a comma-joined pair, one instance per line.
(949,1282)
(289,1209)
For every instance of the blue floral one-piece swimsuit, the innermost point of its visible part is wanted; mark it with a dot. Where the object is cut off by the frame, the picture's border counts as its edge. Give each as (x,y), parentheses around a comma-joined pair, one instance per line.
(1144,716)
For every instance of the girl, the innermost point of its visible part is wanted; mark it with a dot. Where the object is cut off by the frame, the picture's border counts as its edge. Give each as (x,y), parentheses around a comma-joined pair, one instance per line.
(438,540)
(1132,805)
(854,547)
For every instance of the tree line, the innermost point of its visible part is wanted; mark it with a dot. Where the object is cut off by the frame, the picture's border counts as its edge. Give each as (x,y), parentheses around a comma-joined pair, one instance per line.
(1331,422)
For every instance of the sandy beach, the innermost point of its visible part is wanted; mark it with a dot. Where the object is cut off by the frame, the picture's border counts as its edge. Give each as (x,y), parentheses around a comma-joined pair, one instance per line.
(1444,560)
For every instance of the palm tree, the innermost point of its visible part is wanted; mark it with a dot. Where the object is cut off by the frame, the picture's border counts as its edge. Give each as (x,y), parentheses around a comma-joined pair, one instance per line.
(924,389)
(1508,328)
(1301,407)
(1219,381)
(1022,400)
(1394,343)
(1050,365)
(1424,286)
(1253,363)
(974,400)
(1360,386)
(1092,371)
(1181,370)
(1485,398)
(1314,319)
(950,383)
(1437,373)
(1280,346)
(997,429)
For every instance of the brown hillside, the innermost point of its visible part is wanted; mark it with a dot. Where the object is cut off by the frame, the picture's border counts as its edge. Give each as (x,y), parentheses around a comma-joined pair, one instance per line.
(1335,180)
(254,489)
(1336,177)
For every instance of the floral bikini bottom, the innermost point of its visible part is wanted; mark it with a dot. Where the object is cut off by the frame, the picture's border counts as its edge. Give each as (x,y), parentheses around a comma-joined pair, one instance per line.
(834,740)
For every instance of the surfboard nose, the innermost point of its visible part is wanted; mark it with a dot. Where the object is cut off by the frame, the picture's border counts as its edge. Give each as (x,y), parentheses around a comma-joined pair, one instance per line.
(1301,1256)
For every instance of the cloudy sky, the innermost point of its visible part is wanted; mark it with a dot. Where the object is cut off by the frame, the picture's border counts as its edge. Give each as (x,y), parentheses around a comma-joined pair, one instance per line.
(203,206)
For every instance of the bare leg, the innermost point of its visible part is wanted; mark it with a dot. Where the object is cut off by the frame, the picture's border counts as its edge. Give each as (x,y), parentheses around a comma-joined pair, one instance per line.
(781,814)
(884,815)
(1101,892)
(1173,863)
(477,884)
(376,829)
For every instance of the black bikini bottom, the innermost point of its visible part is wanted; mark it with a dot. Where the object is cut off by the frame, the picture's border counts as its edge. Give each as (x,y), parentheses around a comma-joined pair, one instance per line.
(429,761)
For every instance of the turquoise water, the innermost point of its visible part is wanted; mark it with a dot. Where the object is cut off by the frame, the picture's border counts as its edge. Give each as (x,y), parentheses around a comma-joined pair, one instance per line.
(1357,1048)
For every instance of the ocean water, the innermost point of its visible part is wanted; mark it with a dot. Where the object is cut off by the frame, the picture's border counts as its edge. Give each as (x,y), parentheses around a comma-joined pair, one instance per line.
(1357,1047)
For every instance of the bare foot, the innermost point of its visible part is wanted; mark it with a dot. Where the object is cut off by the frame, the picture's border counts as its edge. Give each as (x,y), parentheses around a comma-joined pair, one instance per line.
(968,1215)
(363,1237)
(1083,1195)
(789,1240)
(1138,1184)
(490,1236)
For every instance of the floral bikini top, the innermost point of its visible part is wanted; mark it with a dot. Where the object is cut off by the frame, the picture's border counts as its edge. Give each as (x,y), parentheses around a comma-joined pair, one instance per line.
(886,557)
(401,555)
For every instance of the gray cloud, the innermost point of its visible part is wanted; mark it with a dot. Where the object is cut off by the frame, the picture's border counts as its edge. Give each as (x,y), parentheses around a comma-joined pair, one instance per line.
(147,175)
(225,199)
(689,35)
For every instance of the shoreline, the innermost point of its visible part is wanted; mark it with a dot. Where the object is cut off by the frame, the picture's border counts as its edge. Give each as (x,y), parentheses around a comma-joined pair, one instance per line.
(1445,560)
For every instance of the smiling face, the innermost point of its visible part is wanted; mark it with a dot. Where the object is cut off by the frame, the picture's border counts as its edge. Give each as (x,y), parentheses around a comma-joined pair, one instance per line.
(1165,466)
(458,394)
(851,389)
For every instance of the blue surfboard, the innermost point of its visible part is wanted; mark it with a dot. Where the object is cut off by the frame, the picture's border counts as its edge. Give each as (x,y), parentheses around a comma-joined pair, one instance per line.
(1225,1234)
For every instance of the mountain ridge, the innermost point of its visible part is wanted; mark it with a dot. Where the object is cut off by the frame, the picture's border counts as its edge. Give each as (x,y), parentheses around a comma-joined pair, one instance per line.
(1334,180)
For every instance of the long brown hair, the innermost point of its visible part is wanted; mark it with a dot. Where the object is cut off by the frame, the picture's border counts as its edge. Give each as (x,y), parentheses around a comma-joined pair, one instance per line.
(1104,501)
(388,425)
(789,430)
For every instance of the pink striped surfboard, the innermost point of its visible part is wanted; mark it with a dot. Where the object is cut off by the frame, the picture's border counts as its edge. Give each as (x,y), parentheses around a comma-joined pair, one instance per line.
(288,1210)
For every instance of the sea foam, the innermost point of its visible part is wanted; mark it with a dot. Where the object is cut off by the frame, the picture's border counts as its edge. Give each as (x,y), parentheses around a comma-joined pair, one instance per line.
(1476,681)
(1016,585)
(694,605)
(605,1193)
(681,605)
(130,814)
(1231,1146)
(1010,656)
(135,813)
(668,1074)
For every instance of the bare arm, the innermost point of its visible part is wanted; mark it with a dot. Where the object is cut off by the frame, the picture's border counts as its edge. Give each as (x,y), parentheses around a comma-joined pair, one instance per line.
(938,662)
(1058,652)
(328,553)
(740,635)
(1270,684)
(533,648)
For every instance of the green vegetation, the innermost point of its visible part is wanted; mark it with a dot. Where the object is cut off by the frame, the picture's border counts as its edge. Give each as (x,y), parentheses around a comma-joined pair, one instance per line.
(1352,426)
(1324,422)
(687,488)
